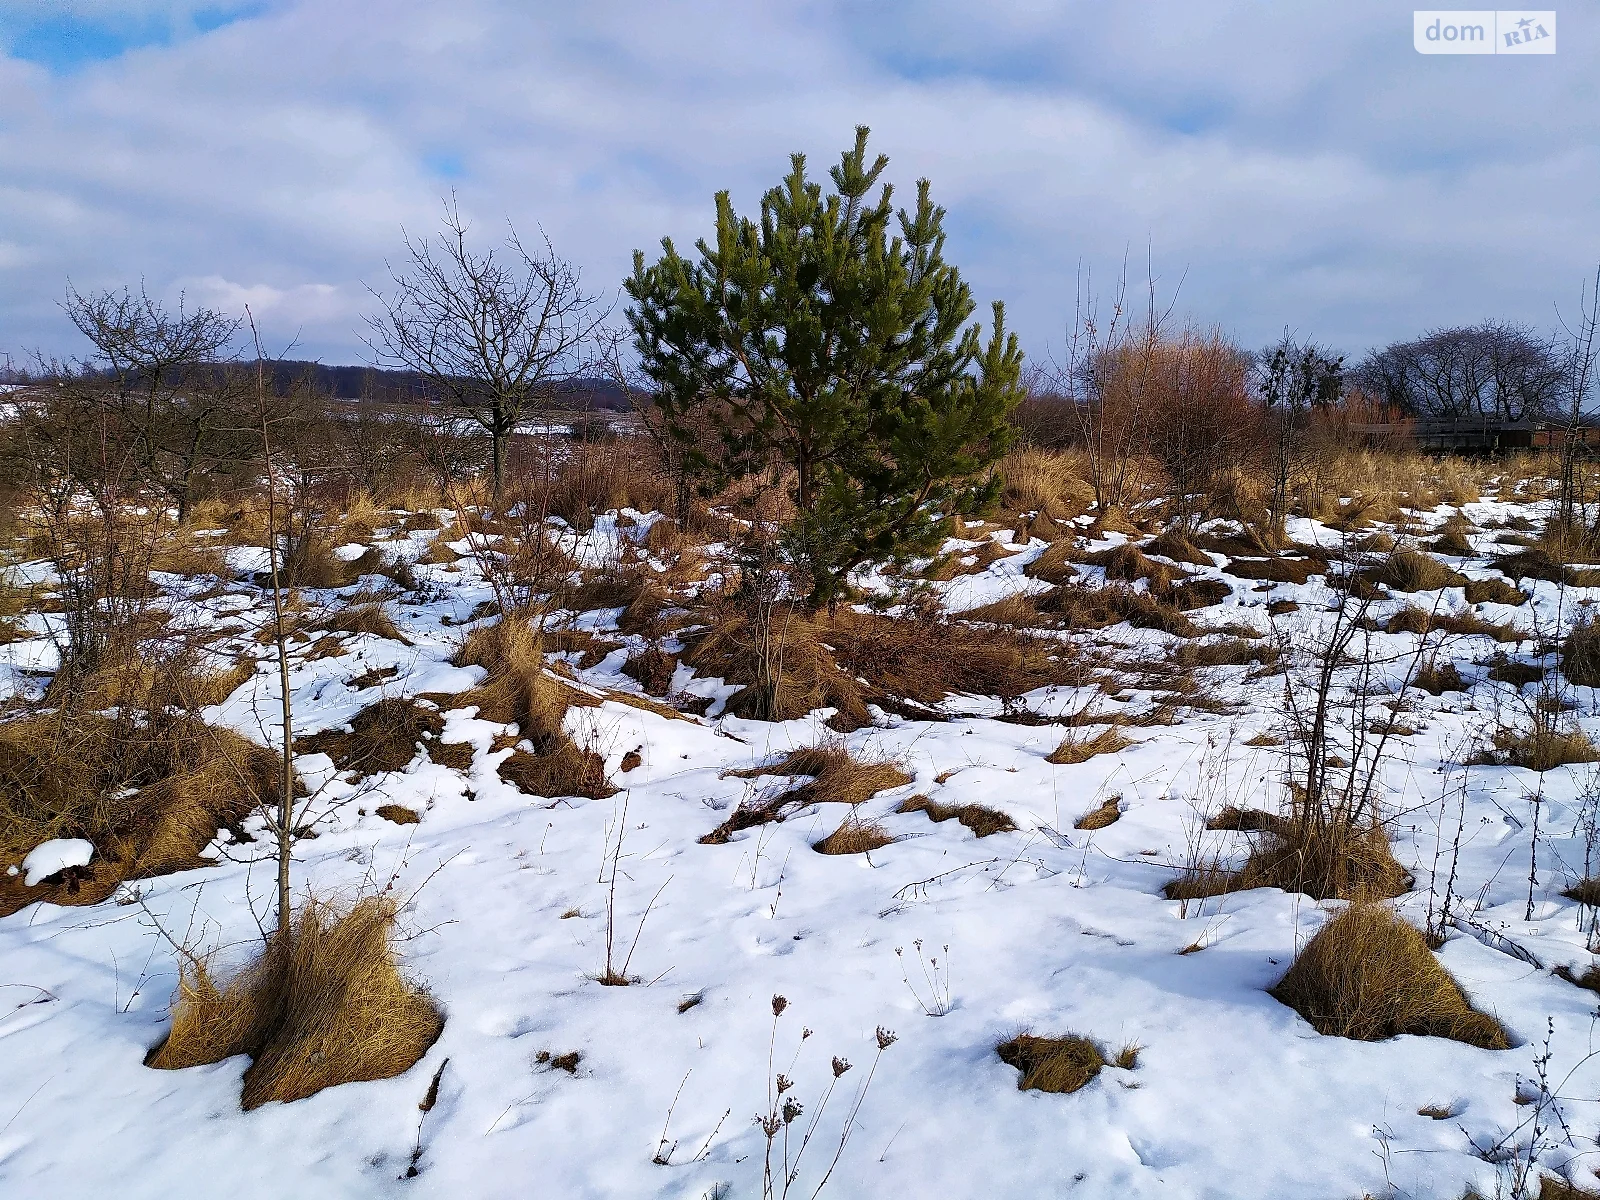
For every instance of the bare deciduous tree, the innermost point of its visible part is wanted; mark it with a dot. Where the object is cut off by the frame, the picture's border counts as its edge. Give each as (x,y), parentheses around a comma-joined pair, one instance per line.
(1494,370)
(1107,378)
(492,333)
(175,399)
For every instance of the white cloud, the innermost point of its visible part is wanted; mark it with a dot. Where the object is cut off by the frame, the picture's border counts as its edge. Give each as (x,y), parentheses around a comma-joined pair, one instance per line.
(1303,164)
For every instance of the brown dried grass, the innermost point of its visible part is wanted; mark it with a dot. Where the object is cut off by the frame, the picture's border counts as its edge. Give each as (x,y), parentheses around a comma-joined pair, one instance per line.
(148,794)
(1369,975)
(1542,747)
(855,837)
(1075,748)
(789,674)
(327,1006)
(982,820)
(1052,1064)
(370,619)
(520,691)
(1044,481)
(1494,590)
(1055,564)
(924,658)
(1099,607)
(1580,654)
(1327,860)
(1108,812)
(385,736)
(1410,570)
(653,668)
(1127,563)
(1174,543)
(836,777)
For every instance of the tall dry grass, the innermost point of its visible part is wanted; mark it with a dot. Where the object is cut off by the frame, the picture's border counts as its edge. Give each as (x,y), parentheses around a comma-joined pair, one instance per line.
(327,1005)
(1369,975)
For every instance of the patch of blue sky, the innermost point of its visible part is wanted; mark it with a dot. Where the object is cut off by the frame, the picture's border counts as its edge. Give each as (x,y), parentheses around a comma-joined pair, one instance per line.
(65,42)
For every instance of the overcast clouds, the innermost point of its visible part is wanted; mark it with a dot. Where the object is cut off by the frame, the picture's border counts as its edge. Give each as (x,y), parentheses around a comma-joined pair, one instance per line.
(1299,162)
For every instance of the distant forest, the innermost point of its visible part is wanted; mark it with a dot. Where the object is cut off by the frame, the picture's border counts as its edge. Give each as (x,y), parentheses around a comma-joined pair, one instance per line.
(395,387)
(373,383)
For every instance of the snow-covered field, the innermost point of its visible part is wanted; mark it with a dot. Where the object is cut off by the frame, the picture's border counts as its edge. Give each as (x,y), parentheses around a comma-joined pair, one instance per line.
(1048,928)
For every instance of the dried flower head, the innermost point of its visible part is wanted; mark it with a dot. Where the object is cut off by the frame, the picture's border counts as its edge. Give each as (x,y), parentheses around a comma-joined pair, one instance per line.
(779,1003)
(792,1108)
(784,1084)
(886,1038)
(840,1066)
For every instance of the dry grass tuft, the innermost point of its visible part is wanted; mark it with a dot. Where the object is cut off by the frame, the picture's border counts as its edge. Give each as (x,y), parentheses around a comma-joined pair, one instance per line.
(786,674)
(836,778)
(1534,562)
(1517,674)
(1369,975)
(371,619)
(398,813)
(1075,748)
(1585,891)
(1436,679)
(1108,812)
(1098,607)
(1043,481)
(1410,570)
(191,557)
(519,691)
(1452,542)
(327,1006)
(855,837)
(1543,747)
(981,820)
(148,792)
(965,562)
(1327,860)
(1249,820)
(1494,590)
(1174,543)
(1127,563)
(1277,570)
(1200,593)
(1055,565)
(653,668)
(1226,652)
(1580,654)
(381,737)
(1052,1064)
(924,658)
(311,563)
(1554,1187)
(1590,977)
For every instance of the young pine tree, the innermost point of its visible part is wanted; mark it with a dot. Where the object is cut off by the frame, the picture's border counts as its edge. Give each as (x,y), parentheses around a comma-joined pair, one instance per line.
(819,337)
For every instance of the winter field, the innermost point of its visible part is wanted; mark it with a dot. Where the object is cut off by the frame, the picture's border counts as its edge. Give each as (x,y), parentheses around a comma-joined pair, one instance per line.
(606,868)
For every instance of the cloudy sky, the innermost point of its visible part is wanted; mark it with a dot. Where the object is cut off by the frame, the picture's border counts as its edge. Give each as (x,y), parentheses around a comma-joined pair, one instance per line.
(1295,164)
